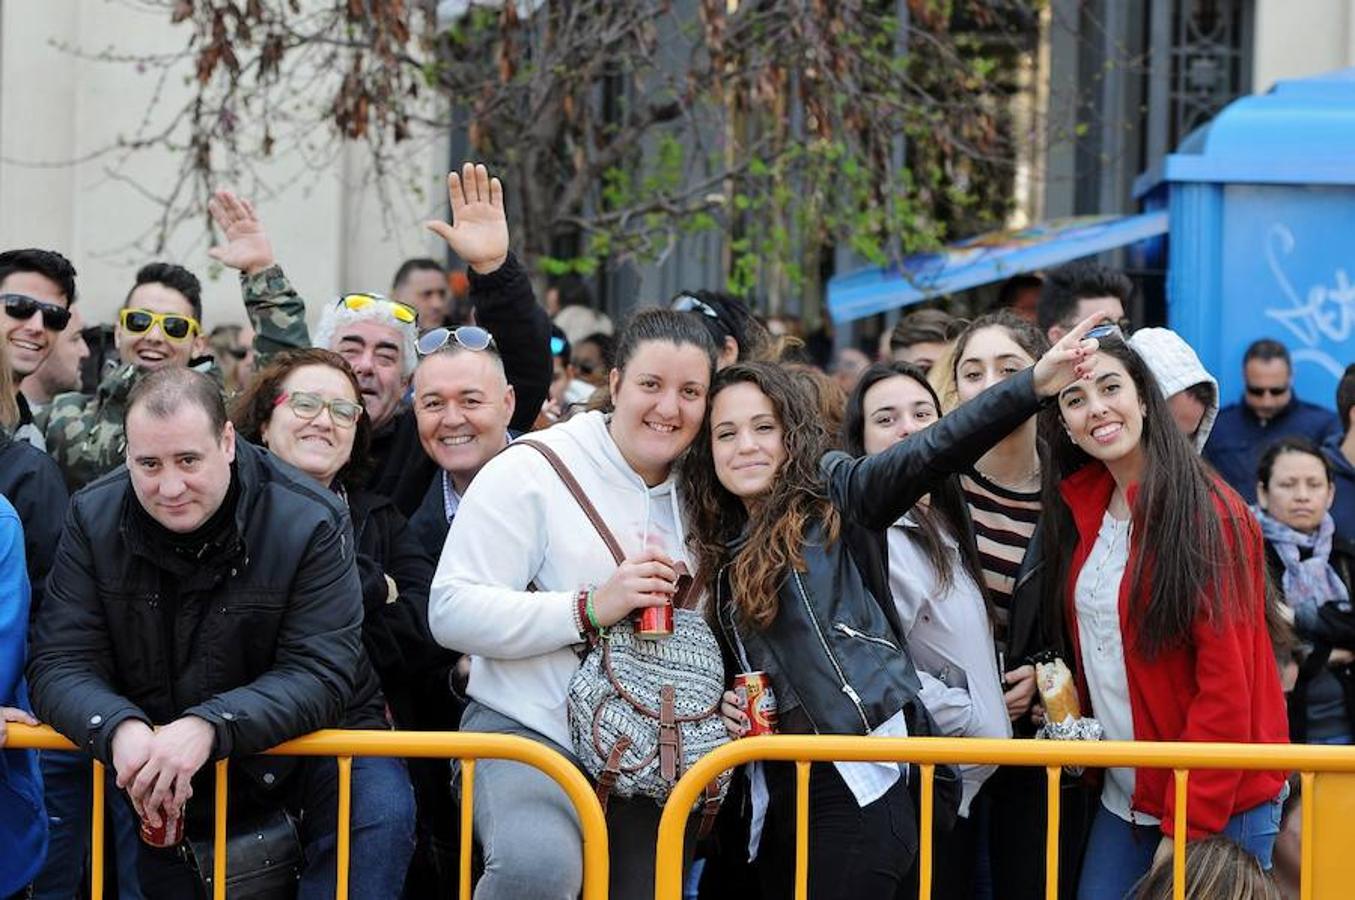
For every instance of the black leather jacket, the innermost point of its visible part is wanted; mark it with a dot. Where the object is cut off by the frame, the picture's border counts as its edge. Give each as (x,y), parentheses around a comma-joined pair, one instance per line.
(833,652)
(263,640)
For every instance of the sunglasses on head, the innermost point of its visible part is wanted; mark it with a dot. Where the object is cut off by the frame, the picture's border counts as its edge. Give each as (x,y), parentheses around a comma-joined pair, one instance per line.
(402,312)
(1257,391)
(688,303)
(22,306)
(467,337)
(174,327)
(343,413)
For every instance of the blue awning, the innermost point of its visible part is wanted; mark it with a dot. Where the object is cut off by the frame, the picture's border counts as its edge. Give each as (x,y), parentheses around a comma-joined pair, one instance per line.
(984,259)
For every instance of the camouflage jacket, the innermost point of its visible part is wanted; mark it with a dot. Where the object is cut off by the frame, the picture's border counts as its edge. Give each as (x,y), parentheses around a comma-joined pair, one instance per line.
(85,431)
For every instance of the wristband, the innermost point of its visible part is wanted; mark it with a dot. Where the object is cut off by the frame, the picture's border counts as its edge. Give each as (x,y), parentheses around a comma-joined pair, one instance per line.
(592,613)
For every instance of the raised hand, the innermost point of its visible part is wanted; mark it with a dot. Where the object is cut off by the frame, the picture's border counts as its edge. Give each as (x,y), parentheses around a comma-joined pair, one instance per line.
(1072,358)
(478,232)
(247,247)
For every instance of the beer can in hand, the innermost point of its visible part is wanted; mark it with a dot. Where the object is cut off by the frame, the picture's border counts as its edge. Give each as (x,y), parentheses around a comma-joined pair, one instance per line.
(755,691)
(169,833)
(655,622)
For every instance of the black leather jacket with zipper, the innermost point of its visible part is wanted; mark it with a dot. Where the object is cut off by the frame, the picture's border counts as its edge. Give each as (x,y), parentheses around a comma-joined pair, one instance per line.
(833,652)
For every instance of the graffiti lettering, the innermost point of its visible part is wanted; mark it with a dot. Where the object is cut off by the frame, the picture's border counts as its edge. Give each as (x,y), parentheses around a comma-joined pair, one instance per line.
(1325,314)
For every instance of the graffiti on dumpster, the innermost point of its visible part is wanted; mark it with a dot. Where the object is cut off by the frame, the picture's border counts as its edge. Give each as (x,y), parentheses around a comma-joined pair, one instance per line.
(1325,314)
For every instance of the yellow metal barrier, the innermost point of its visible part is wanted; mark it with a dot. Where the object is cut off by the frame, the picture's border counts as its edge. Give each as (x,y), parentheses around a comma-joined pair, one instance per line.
(344,745)
(1337,826)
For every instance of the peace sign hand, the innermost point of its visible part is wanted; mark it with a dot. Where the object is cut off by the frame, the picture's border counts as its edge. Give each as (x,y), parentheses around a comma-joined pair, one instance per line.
(478,232)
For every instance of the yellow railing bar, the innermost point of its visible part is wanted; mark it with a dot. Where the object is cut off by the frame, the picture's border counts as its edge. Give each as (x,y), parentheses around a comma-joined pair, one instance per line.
(1179,828)
(802,831)
(467,823)
(96,830)
(219,834)
(925,851)
(420,744)
(1097,754)
(1053,775)
(1306,838)
(345,821)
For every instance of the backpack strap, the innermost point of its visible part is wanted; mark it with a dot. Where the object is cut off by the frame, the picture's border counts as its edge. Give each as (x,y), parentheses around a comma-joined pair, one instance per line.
(611,771)
(576,490)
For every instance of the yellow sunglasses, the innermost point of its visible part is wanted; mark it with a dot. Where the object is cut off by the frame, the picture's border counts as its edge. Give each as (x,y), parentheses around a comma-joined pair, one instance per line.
(403,312)
(175,327)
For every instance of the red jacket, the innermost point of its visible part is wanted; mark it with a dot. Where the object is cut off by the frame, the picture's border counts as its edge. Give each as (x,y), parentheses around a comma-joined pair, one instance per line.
(1222,686)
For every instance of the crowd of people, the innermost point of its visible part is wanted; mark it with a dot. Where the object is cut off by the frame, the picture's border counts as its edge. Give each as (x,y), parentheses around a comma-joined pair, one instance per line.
(240,537)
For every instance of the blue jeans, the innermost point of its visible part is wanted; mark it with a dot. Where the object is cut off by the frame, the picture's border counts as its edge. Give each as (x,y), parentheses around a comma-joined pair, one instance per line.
(67,778)
(1120,853)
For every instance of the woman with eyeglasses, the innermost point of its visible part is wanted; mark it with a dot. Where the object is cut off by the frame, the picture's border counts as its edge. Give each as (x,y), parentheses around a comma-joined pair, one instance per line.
(1156,570)
(306,408)
(525,578)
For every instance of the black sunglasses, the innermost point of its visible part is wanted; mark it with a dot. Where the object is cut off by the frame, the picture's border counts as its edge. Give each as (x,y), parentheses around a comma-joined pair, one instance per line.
(22,306)
(1256,391)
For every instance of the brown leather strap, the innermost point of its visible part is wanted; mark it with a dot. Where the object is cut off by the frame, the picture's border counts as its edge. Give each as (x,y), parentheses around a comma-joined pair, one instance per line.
(611,771)
(580,497)
(669,742)
(709,809)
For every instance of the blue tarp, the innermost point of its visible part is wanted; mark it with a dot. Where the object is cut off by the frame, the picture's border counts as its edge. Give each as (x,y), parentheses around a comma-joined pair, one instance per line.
(985,259)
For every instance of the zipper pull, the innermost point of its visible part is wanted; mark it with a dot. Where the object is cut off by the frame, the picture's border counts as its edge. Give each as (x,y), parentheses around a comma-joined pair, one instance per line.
(851,692)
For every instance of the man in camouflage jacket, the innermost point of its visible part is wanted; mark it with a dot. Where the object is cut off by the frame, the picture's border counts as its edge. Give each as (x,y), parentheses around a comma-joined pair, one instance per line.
(84,432)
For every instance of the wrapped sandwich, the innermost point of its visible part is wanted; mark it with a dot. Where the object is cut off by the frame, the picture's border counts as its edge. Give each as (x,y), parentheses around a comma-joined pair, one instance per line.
(1063,710)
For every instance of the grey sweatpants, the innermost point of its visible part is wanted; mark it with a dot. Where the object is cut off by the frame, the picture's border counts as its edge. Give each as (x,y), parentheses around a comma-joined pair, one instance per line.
(530,836)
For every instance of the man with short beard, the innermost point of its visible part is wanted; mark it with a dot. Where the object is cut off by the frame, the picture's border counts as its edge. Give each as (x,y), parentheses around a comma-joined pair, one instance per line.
(37,288)
(60,371)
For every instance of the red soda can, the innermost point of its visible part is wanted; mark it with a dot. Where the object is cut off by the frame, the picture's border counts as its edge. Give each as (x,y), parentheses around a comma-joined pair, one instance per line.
(655,622)
(168,834)
(755,690)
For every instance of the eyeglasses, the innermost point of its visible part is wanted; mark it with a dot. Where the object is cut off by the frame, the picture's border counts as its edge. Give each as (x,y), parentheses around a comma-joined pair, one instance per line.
(22,306)
(343,413)
(403,312)
(175,327)
(468,337)
(1257,391)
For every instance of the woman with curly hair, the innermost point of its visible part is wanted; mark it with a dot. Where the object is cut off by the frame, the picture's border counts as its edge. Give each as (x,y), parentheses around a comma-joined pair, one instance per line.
(790,543)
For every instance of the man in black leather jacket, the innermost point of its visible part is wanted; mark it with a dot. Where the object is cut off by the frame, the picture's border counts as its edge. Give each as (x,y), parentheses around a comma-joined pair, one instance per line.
(205,604)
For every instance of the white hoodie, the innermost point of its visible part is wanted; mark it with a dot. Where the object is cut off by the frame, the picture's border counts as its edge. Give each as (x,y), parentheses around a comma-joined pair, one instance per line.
(518,525)
(1176,367)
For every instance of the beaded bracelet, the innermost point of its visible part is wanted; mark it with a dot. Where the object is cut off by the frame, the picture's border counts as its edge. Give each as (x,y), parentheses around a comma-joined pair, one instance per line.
(581,623)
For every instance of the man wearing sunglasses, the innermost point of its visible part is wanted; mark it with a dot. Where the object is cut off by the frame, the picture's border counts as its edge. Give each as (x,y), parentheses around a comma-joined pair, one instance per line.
(160,326)
(1269,411)
(37,288)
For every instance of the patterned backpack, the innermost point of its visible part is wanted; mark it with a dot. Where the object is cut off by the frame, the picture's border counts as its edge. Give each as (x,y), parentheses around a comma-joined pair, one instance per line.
(641,711)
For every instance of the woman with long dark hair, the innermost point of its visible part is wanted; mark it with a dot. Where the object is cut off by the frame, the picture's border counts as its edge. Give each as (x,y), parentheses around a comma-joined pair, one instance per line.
(1157,568)
(1003,493)
(790,542)
(935,579)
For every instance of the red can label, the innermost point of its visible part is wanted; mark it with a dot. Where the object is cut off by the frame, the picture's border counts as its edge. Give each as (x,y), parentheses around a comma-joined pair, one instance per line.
(755,690)
(655,621)
(168,834)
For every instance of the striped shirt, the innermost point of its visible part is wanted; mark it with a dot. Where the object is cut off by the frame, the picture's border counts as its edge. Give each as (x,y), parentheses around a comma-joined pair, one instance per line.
(1004,521)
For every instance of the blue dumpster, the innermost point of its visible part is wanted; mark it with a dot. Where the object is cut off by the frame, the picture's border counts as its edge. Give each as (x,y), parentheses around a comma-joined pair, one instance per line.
(1261,232)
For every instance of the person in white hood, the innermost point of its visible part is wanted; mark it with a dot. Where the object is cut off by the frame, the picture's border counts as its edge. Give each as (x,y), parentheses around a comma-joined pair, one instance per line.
(1192,393)
(520,553)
